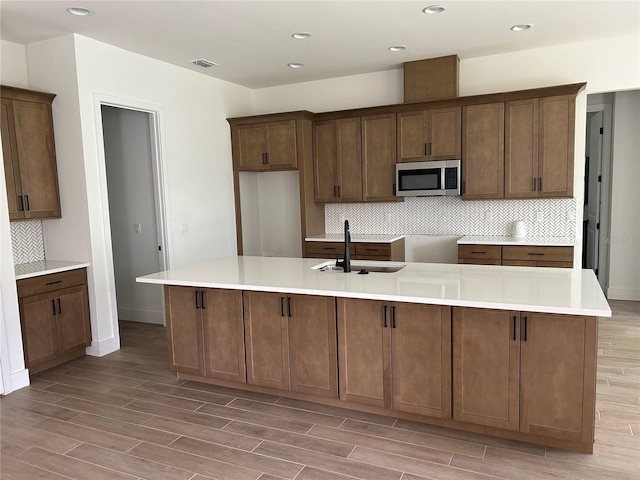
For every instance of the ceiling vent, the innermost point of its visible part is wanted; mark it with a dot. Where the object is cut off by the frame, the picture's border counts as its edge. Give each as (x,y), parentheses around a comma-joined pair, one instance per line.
(201,62)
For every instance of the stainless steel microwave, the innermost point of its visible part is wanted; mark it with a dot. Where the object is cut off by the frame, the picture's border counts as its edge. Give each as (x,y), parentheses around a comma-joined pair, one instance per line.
(420,179)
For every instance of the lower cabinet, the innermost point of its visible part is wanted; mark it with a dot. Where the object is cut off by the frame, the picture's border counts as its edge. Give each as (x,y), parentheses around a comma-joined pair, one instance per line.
(395,355)
(291,342)
(206,332)
(527,372)
(516,255)
(54,316)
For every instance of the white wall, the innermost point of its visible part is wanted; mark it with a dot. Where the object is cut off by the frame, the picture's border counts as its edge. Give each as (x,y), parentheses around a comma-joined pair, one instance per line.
(624,271)
(13,71)
(130,179)
(196,150)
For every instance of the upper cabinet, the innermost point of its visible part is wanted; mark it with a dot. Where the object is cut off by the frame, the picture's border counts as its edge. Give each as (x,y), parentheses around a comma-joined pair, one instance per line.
(483,151)
(379,158)
(265,146)
(337,160)
(539,139)
(429,135)
(29,154)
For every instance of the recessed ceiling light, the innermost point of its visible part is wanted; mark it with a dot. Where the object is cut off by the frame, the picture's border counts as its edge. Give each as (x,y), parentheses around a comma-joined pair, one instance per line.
(433,9)
(80,11)
(301,35)
(397,48)
(521,27)
(296,65)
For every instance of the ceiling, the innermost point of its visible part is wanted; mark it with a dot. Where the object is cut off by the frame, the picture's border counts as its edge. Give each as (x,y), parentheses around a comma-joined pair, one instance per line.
(251,40)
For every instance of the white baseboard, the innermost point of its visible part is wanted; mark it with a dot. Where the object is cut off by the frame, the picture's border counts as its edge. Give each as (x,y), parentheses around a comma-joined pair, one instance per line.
(142,316)
(19,379)
(621,293)
(103,347)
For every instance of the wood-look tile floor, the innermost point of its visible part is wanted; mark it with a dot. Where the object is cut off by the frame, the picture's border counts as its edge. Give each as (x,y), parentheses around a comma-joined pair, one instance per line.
(126,416)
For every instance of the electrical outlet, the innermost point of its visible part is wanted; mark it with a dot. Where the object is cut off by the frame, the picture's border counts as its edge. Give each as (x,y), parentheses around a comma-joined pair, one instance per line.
(387,217)
(184,227)
(342,217)
(539,217)
(488,216)
(138,228)
(571,215)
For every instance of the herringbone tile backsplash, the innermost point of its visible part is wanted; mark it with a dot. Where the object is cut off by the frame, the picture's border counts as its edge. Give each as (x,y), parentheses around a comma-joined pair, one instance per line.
(27,241)
(452,216)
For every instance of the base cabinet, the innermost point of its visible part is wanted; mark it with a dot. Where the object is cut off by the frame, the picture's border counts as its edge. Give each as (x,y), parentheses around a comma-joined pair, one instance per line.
(395,355)
(54,316)
(528,372)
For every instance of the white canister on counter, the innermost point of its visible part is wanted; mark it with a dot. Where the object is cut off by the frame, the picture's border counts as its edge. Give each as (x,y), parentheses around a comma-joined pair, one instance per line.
(518,229)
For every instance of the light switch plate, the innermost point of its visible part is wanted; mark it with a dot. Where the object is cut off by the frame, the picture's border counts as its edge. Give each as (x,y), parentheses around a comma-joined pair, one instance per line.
(184,228)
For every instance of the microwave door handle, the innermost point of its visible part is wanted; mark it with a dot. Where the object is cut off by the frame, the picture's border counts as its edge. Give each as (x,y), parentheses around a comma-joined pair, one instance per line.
(443,179)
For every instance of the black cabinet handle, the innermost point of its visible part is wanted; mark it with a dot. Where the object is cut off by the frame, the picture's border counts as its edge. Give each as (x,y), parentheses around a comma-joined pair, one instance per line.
(539,254)
(385,316)
(514,328)
(372,249)
(282,306)
(53,283)
(53,307)
(540,184)
(335,191)
(328,248)
(425,149)
(339,191)
(197,304)
(534,184)
(525,329)
(21,202)
(26,199)
(266,156)
(289,306)
(429,149)
(393,317)
(202,300)
(477,252)
(59,307)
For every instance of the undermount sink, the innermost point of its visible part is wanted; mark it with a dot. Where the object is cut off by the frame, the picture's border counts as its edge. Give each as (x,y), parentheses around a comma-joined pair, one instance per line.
(358,267)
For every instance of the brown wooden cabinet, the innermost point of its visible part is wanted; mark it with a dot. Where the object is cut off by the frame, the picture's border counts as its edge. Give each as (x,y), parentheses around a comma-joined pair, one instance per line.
(429,135)
(54,316)
(291,342)
(539,139)
(337,160)
(29,154)
(265,146)
(205,332)
(395,355)
(516,255)
(379,158)
(379,251)
(483,151)
(528,372)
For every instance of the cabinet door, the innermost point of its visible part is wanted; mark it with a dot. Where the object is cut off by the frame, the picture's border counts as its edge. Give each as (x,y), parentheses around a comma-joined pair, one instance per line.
(223,331)
(251,147)
(281,145)
(39,329)
(445,134)
(486,365)
(521,149)
(421,359)
(364,351)
(557,126)
(184,329)
(483,151)
(74,327)
(558,376)
(312,345)
(11,164)
(412,136)
(325,161)
(37,157)
(379,157)
(349,148)
(265,322)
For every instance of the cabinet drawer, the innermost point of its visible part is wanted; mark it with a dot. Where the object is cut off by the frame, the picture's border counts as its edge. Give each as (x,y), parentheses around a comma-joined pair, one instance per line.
(547,254)
(534,263)
(52,282)
(373,250)
(329,249)
(478,261)
(487,252)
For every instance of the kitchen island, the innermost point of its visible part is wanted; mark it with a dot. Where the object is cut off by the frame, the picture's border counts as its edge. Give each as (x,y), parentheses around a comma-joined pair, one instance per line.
(505,351)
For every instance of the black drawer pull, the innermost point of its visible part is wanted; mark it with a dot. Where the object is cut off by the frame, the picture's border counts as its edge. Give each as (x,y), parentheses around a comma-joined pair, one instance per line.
(372,249)
(478,252)
(59,307)
(540,254)
(53,283)
(329,248)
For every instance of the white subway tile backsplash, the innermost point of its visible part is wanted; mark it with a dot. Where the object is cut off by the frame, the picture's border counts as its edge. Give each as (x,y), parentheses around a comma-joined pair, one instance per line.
(452,216)
(27,241)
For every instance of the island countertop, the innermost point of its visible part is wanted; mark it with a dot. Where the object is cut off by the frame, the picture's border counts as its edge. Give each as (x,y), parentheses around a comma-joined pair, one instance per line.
(544,290)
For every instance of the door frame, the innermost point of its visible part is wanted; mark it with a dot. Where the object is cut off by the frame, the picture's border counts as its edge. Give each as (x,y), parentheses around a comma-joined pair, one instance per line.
(605,191)
(158,165)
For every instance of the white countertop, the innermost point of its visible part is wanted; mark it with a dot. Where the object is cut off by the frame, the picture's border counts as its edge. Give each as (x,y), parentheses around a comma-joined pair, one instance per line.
(546,290)
(355,238)
(45,267)
(504,240)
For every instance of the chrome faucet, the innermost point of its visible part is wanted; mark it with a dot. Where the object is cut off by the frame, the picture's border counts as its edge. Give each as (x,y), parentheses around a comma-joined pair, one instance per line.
(346,262)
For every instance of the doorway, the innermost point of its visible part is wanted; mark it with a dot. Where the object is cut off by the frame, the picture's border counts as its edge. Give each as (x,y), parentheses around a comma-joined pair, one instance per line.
(135,211)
